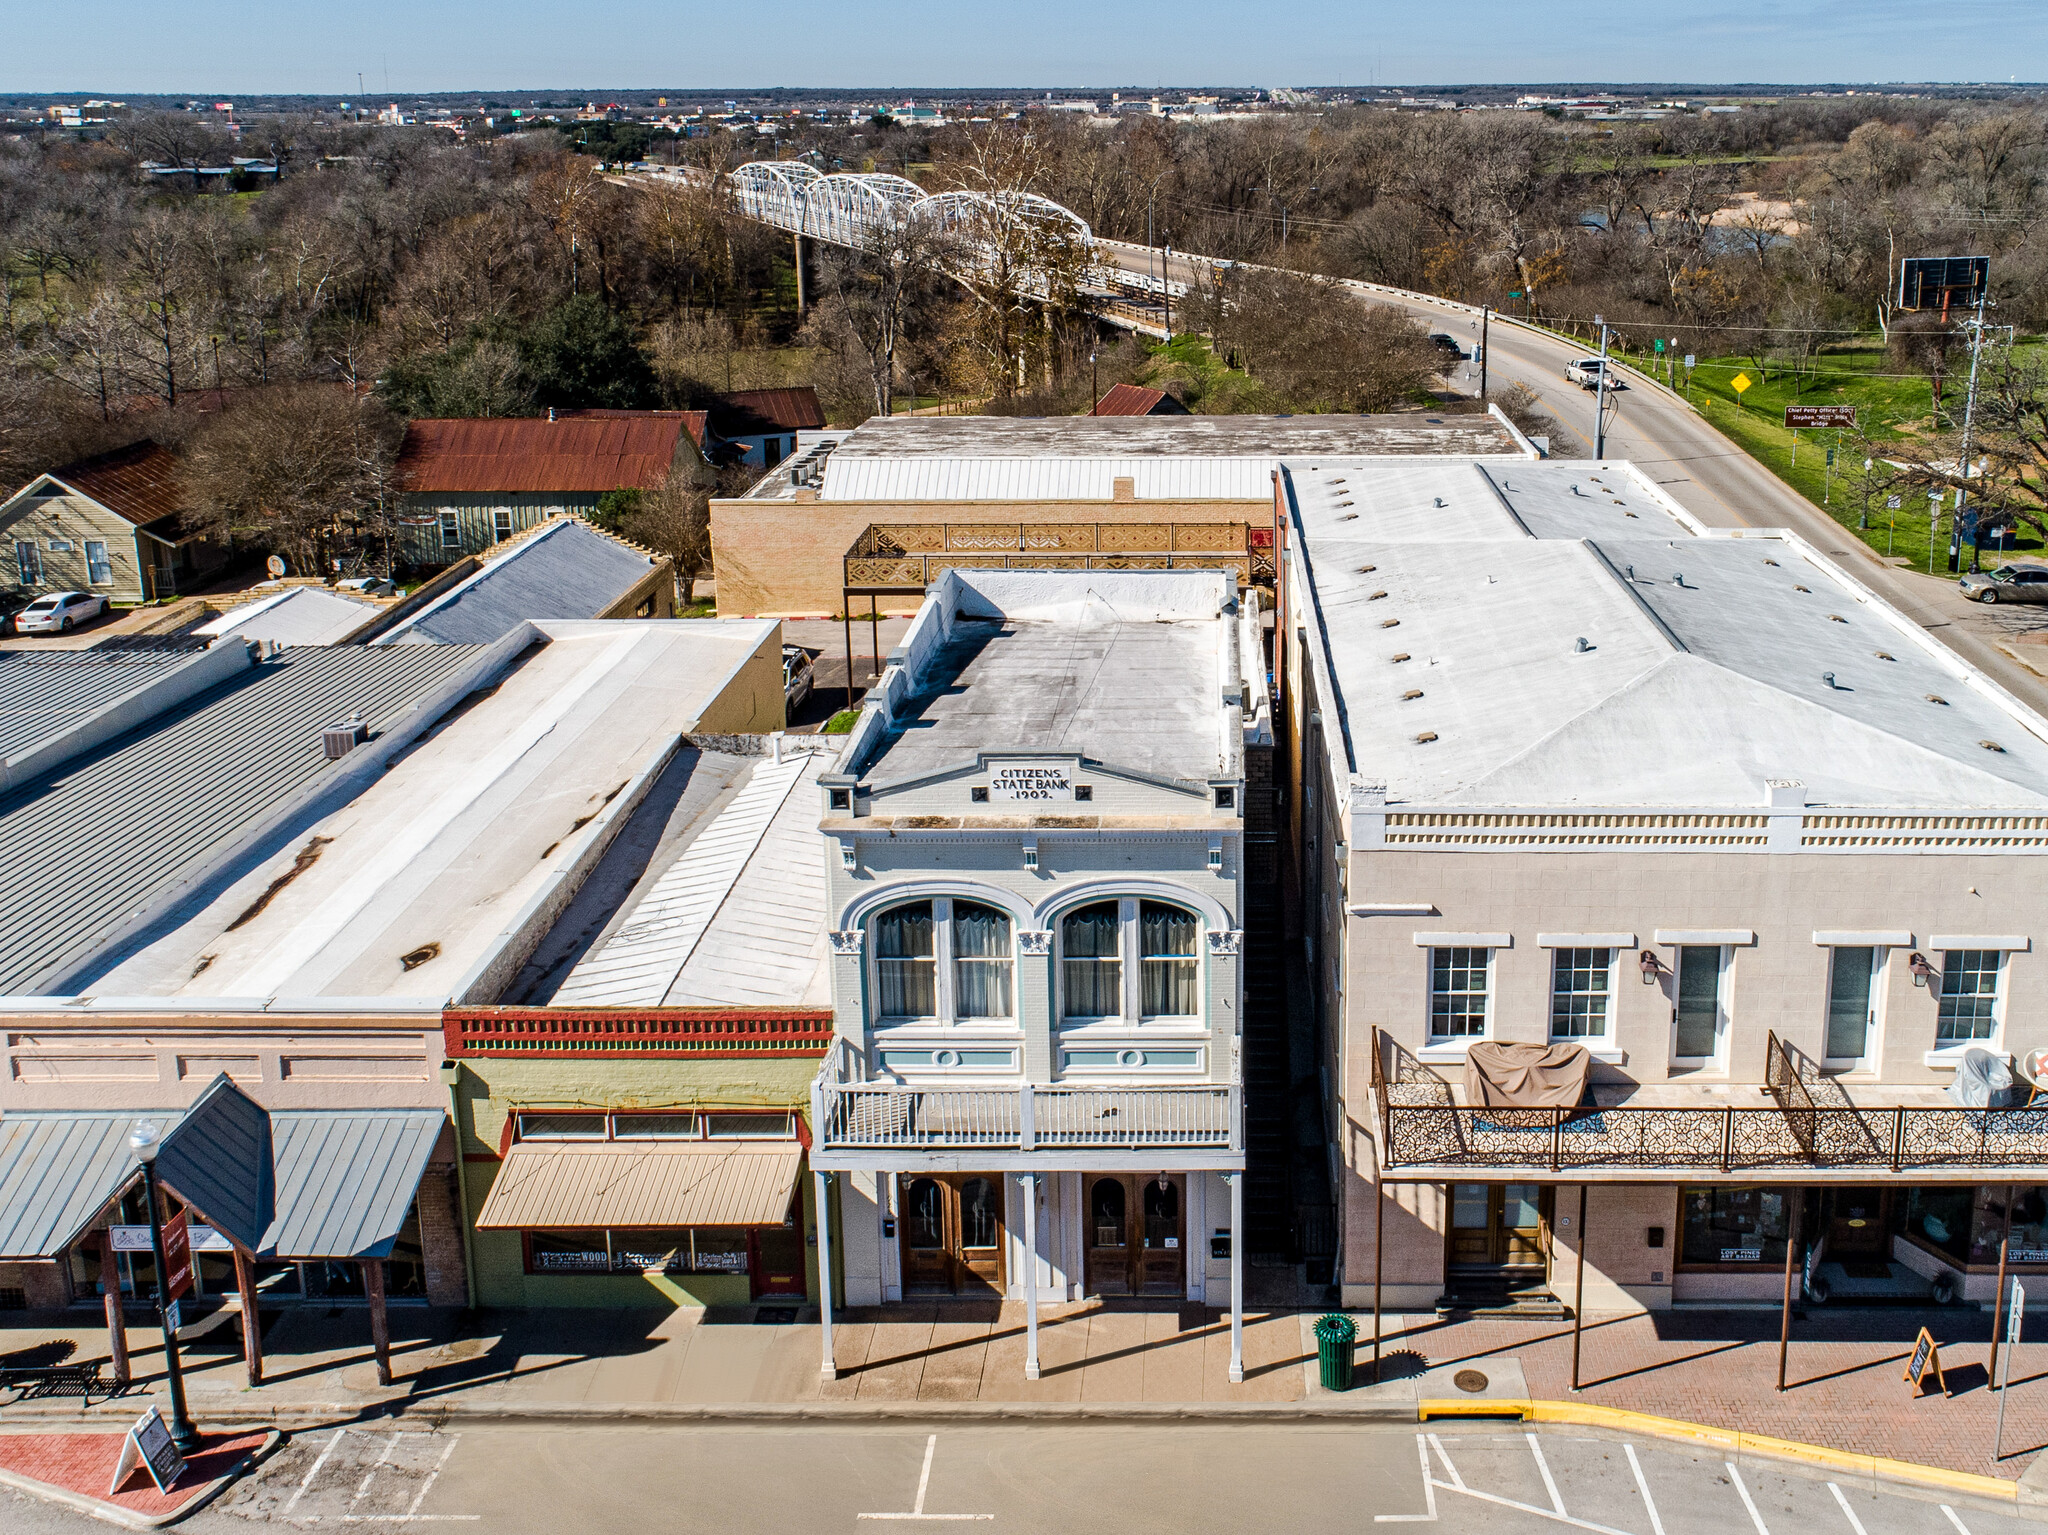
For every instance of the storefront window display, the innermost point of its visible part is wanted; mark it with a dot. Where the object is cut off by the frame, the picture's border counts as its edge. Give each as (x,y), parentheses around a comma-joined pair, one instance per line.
(1734,1228)
(701,1250)
(1964,1224)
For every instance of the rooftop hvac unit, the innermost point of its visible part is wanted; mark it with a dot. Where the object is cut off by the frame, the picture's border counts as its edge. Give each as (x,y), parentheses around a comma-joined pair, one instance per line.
(340,740)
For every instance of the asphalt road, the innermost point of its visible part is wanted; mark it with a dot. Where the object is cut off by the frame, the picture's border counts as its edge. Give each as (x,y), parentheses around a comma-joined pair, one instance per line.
(1193,1479)
(1714,479)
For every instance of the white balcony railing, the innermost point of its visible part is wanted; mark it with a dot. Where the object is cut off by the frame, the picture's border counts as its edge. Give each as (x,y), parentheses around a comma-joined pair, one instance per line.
(879,1116)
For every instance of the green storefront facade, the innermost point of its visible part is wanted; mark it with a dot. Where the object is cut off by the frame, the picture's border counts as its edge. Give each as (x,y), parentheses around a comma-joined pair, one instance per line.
(650,1157)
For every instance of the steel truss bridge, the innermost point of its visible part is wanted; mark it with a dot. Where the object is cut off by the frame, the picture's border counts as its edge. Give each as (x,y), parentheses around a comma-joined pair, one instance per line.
(874,211)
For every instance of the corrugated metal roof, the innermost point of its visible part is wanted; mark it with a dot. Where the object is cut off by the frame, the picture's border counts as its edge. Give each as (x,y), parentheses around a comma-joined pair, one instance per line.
(555,1185)
(1048,479)
(569,570)
(57,1172)
(1136,400)
(531,455)
(346,1179)
(138,483)
(83,847)
(219,1161)
(305,615)
(45,692)
(752,412)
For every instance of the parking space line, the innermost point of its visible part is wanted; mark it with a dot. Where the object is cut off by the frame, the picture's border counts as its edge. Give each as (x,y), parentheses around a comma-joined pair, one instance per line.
(428,1485)
(320,1461)
(924,1479)
(1847,1512)
(1643,1487)
(1531,1508)
(1457,1482)
(369,1476)
(1747,1501)
(1955,1520)
(1428,1493)
(1549,1482)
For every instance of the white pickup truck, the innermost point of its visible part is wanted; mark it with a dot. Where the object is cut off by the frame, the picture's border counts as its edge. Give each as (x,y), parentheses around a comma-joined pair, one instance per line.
(1585,372)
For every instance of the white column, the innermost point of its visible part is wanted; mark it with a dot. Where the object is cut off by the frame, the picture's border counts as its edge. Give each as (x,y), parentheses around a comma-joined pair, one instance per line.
(829,1368)
(1030,1185)
(1236,1277)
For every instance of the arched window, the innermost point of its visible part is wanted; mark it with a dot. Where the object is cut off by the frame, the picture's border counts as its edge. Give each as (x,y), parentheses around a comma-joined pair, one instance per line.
(944,960)
(982,964)
(1091,963)
(1095,982)
(906,962)
(1167,936)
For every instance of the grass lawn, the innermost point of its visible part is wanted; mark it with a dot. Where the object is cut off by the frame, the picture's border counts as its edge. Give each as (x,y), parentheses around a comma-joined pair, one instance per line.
(1888,409)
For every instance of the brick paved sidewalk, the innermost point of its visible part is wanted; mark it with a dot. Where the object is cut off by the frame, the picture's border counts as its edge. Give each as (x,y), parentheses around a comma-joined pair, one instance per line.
(82,1465)
(1721,1368)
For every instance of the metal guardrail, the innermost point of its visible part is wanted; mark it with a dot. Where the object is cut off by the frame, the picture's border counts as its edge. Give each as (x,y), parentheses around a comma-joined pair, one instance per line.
(873,1116)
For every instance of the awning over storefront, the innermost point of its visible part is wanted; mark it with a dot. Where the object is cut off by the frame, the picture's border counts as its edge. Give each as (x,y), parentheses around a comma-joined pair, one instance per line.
(58,1170)
(551,1185)
(346,1179)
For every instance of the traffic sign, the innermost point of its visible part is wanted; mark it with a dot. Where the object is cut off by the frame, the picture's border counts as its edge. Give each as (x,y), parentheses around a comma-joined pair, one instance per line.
(1688,361)
(1740,382)
(1892,503)
(1658,343)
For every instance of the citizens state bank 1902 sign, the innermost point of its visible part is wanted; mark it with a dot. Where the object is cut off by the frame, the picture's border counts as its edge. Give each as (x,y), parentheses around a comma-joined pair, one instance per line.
(1031,783)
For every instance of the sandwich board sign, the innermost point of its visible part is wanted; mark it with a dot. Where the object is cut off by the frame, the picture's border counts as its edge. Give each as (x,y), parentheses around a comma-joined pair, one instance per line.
(1926,1356)
(149,1443)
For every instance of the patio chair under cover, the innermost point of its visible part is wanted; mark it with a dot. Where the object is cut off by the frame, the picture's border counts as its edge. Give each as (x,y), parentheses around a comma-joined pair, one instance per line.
(1526,1076)
(1985,1081)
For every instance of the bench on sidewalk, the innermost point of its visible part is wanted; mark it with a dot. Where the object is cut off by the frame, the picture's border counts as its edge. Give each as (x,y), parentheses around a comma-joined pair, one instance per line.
(39,1380)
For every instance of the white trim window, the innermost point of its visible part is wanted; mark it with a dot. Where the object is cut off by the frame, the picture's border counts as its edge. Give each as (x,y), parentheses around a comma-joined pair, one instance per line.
(28,562)
(1969,996)
(99,570)
(501,525)
(1459,984)
(944,960)
(451,531)
(1581,993)
(1096,985)
(1854,971)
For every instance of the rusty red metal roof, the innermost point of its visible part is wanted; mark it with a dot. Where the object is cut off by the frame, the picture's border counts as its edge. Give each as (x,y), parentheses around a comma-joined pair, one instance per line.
(752,412)
(590,451)
(1134,400)
(138,483)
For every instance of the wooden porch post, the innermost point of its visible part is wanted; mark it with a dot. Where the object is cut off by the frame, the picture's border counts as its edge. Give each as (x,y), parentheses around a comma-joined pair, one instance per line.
(1379,1246)
(1998,1295)
(117,1321)
(252,1334)
(380,1319)
(1798,1197)
(1030,1187)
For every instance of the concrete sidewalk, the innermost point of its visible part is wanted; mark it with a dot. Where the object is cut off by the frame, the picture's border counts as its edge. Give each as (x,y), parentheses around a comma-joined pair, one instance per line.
(966,1359)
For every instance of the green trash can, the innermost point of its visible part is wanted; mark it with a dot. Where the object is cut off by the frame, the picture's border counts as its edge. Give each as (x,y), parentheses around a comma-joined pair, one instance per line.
(1335,1335)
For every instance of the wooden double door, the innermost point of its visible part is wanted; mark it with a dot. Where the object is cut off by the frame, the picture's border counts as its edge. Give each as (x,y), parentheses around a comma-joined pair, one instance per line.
(1136,1233)
(1501,1227)
(951,1230)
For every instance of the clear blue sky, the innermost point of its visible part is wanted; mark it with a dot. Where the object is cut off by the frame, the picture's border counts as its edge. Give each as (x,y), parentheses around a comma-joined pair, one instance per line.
(222,47)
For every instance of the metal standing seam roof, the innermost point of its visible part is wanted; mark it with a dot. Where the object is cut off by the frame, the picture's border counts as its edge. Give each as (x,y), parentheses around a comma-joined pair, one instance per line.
(58,1171)
(346,1179)
(107,831)
(304,615)
(575,454)
(990,478)
(138,483)
(45,692)
(545,1185)
(219,1160)
(755,412)
(569,570)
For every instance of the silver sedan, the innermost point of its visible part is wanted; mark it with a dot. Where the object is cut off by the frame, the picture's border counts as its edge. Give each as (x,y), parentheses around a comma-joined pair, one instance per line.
(2008,583)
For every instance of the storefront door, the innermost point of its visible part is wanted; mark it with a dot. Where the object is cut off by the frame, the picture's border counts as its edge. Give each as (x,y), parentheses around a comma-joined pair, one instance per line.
(952,1234)
(1499,1226)
(1859,1225)
(1137,1235)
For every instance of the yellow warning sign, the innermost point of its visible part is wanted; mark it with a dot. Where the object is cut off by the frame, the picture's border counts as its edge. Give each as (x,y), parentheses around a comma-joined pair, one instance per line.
(1740,382)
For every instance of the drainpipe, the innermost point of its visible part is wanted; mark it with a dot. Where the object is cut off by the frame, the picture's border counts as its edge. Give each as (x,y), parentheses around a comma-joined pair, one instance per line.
(451,1076)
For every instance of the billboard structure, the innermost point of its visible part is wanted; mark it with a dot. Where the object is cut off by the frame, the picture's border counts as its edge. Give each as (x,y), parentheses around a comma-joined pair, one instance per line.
(1937,282)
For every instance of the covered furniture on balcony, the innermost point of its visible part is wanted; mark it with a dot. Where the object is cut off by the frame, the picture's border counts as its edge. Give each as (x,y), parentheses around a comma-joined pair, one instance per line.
(1108,1186)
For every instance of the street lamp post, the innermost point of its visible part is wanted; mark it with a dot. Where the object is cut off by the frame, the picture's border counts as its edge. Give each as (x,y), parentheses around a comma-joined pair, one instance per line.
(145,1142)
(1094,388)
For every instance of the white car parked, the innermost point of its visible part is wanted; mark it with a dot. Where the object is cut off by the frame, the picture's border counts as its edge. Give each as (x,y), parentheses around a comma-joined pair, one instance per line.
(58,613)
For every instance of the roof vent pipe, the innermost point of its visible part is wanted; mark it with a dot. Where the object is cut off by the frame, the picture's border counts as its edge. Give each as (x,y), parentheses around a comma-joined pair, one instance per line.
(1678,578)
(1828,678)
(1584,644)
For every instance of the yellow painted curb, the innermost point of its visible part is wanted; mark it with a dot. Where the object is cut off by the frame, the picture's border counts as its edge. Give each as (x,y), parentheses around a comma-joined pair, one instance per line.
(1593,1416)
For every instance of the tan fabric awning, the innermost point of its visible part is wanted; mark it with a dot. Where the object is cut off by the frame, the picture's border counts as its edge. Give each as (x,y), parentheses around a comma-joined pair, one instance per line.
(550,1184)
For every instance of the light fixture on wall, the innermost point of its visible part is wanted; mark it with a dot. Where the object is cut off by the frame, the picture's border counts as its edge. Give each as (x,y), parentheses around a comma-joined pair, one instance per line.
(1164,1183)
(1652,967)
(1917,963)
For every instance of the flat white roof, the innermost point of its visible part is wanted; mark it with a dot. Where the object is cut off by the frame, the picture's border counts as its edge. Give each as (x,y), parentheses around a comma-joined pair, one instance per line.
(415,882)
(1530,644)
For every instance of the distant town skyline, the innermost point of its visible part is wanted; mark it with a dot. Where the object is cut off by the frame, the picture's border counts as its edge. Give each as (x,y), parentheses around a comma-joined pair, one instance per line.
(211,47)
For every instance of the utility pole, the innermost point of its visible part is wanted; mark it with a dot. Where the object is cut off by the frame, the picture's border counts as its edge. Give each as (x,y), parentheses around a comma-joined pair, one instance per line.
(1485,315)
(1970,414)
(1600,394)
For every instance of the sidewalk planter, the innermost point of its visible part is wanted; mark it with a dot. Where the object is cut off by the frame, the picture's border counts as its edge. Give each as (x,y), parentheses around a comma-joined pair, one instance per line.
(1335,1336)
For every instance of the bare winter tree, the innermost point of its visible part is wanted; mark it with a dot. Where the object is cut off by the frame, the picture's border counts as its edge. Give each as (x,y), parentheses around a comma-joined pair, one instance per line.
(877,297)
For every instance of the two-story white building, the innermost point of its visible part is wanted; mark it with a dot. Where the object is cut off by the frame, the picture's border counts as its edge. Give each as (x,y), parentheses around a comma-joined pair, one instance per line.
(1036,844)
(1690,813)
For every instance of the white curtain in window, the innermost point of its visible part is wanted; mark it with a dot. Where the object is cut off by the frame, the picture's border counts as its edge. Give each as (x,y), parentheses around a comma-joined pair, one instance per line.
(1091,970)
(981,960)
(905,964)
(1168,937)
